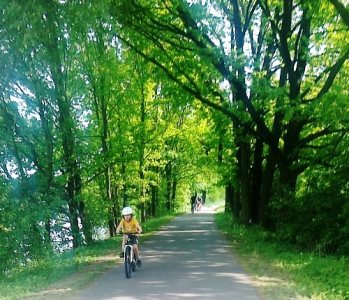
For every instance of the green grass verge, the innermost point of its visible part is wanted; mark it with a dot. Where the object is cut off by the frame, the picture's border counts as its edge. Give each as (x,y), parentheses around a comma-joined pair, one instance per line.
(59,276)
(282,272)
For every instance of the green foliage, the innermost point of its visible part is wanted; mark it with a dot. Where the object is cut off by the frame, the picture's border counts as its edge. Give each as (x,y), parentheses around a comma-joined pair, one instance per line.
(318,220)
(296,273)
(24,220)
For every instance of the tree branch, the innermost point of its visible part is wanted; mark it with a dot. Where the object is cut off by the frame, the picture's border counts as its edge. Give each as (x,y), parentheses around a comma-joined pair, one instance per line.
(333,73)
(341,9)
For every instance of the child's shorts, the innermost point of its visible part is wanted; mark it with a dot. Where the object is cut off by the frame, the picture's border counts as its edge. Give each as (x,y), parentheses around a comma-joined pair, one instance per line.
(133,239)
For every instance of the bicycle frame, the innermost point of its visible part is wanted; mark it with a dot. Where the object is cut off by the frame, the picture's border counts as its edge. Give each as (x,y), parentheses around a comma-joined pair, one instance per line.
(131,252)
(129,257)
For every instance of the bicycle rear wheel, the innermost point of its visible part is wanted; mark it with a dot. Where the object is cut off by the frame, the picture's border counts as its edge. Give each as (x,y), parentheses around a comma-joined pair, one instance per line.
(128,263)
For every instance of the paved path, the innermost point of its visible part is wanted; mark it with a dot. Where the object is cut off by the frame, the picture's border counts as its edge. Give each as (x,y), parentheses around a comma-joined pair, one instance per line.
(187,259)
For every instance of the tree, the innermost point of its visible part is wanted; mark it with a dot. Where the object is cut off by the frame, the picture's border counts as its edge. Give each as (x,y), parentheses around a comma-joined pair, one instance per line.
(269,68)
(42,55)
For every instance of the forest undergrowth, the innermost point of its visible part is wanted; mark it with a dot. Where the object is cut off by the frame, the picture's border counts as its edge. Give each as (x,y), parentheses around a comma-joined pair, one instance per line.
(282,271)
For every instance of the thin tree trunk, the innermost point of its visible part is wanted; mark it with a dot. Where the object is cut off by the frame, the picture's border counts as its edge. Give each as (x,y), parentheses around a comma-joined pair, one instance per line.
(229,199)
(245,182)
(66,124)
(168,172)
(256,183)
(154,200)
(266,189)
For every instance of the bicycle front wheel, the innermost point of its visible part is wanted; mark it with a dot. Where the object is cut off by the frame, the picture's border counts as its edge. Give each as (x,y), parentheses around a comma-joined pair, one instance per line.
(128,263)
(133,263)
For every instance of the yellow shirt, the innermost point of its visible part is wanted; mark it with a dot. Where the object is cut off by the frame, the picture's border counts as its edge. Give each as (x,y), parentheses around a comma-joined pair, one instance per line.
(129,227)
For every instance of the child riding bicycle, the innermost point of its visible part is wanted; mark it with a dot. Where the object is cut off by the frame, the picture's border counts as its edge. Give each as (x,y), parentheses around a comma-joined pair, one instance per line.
(129,225)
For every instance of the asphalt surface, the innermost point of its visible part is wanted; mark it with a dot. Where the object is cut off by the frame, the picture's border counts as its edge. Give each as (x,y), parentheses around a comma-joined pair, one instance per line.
(187,259)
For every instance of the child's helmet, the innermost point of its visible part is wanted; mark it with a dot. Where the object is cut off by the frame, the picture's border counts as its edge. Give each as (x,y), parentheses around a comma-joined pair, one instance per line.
(127,211)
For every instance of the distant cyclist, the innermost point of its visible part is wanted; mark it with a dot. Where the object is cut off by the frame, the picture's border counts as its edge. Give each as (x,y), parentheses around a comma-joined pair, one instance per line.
(130,225)
(198,203)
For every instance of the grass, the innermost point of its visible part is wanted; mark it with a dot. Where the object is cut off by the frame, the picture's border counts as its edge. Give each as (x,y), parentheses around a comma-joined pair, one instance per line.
(58,277)
(282,272)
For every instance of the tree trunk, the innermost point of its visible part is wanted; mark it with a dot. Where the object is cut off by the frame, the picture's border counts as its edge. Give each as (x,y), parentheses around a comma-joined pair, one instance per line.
(124,186)
(229,199)
(142,213)
(168,172)
(266,189)
(256,173)
(173,193)
(110,203)
(66,123)
(154,200)
(87,228)
(245,182)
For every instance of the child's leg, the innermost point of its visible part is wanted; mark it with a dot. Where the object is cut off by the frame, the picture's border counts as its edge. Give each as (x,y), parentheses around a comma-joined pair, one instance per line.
(124,240)
(136,250)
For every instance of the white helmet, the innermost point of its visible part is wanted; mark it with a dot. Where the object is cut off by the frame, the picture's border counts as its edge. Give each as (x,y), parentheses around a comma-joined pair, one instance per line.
(127,211)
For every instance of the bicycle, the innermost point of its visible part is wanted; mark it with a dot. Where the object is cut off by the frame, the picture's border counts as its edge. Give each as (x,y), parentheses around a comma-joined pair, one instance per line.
(130,262)
(196,207)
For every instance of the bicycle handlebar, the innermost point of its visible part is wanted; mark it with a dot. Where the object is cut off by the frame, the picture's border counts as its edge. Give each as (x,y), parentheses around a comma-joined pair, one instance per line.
(127,233)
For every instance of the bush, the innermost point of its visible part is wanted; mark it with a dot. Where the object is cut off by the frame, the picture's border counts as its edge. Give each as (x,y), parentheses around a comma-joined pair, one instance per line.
(317,220)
